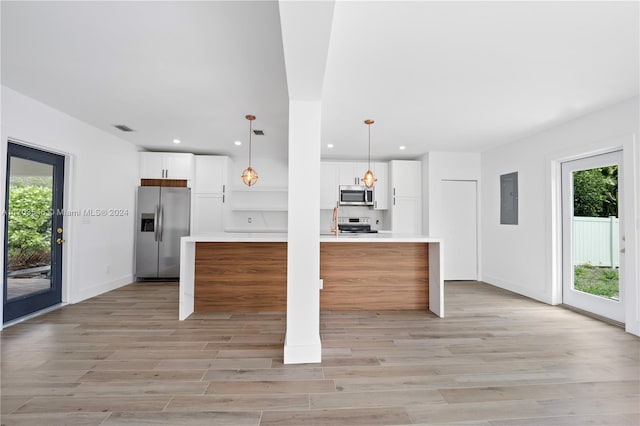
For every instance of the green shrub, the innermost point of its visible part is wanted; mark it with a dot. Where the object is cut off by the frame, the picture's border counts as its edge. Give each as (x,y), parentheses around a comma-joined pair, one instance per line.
(29,227)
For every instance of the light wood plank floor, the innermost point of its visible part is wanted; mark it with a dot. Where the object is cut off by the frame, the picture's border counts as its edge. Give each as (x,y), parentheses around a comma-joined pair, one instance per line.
(497,359)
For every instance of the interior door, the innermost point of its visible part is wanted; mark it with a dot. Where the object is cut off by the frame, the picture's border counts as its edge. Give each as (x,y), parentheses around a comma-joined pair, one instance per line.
(34,235)
(460,229)
(592,191)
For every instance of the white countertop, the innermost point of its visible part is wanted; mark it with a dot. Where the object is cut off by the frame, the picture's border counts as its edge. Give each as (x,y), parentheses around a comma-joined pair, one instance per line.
(248,237)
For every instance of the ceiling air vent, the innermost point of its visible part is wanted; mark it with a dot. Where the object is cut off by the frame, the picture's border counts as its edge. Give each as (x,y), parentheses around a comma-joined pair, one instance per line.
(258,132)
(123,127)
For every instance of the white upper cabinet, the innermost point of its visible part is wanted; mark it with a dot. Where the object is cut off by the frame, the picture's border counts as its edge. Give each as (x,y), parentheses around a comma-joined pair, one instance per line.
(351,173)
(406,178)
(210,174)
(381,189)
(166,165)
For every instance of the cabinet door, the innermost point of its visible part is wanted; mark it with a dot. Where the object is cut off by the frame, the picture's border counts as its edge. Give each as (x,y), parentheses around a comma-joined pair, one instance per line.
(347,174)
(328,185)
(405,216)
(208,213)
(178,166)
(151,165)
(210,174)
(381,191)
(406,178)
(351,173)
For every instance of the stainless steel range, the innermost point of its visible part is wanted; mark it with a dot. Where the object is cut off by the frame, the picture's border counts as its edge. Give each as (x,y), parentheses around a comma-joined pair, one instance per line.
(355,225)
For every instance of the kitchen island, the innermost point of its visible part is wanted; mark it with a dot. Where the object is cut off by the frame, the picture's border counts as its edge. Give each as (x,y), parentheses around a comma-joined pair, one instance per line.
(226,272)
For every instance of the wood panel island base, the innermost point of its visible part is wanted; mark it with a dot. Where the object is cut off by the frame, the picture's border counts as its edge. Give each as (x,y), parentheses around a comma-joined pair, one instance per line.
(374,276)
(225,272)
(241,277)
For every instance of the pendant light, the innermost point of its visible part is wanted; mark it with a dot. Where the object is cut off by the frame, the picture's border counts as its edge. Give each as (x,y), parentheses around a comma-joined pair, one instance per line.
(249,175)
(369,180)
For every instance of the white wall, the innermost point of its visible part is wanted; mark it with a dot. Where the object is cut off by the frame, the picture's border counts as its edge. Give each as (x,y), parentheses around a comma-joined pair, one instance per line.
(101,173)
(524,258)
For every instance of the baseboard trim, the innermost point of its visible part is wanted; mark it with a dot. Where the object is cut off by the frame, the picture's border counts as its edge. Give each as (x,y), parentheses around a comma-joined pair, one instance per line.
(507,285)
(303,354)
(99,289)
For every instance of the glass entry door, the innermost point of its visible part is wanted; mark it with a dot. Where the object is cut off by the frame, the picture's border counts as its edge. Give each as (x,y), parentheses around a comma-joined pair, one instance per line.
(591,240)
(33,231)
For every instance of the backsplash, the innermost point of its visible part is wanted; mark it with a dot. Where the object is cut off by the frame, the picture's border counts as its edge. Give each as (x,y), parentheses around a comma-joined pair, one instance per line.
(377,218)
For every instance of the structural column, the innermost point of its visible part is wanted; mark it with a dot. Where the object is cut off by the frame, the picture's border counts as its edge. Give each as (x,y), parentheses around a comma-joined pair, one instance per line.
(306,31)
(302,342)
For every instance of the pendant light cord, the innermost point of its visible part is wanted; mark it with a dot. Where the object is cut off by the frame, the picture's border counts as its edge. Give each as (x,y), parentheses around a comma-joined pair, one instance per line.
(250,123)
(369,146)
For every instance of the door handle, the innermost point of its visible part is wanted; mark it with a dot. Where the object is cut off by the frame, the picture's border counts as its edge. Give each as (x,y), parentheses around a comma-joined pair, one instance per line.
(155,223)
(59,240)
(160,224)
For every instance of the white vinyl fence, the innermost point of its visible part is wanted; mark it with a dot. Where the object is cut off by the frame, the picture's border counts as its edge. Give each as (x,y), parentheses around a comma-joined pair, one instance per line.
(595,241)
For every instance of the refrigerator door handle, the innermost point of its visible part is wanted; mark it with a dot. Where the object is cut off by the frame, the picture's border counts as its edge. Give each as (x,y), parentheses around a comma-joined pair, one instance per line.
(160,224)
(155,224)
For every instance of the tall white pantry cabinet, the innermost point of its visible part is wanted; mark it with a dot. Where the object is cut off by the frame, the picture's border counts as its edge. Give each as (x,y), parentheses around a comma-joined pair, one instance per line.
(209,194)
(406,196)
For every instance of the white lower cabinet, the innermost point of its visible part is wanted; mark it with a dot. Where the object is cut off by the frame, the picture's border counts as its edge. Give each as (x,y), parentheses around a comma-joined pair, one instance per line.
(208,213)
(405,215)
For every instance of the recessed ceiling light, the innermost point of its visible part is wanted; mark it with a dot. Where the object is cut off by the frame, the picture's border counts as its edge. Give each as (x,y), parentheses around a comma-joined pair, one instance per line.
(402,147)
(329,145)
(176,141)
(238,143)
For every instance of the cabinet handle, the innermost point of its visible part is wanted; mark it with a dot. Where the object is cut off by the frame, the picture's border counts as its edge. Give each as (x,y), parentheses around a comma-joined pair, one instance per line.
(394,191)
(394,201)
(223,189)
(223,198)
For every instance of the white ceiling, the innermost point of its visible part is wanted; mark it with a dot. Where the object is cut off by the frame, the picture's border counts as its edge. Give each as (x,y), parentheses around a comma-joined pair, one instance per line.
(436,76)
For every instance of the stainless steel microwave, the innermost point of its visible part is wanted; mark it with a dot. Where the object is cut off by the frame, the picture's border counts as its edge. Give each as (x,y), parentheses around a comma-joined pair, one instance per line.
(355,195)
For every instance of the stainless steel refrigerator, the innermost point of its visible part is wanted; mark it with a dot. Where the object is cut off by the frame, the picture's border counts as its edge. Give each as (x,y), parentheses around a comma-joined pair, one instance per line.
(163,216)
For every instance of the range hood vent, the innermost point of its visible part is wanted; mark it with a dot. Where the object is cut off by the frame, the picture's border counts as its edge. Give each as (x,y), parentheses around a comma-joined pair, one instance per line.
(123,127)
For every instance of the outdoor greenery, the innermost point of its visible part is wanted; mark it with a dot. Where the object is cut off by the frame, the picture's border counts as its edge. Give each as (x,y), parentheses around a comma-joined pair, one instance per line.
(595,192)
(29,227)
(598,281)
